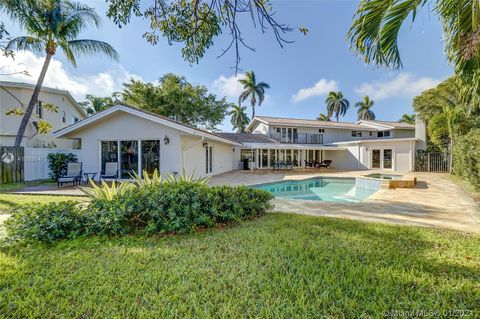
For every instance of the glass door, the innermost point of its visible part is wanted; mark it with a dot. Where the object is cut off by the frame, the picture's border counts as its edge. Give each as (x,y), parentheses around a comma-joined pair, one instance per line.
(376,162)
(387,159)
(150,156)
(128,158)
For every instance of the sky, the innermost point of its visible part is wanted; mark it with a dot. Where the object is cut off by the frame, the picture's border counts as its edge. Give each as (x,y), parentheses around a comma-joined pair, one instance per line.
(300,74)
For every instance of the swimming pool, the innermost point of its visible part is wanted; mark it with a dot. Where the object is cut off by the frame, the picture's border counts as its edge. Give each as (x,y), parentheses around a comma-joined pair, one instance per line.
(339,190)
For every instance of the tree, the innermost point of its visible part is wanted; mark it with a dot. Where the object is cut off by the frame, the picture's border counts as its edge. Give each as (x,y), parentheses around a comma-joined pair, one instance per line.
(364,109)
(95,104)
(239,118)
(323,117)
(195,23)
(176,98)
(374,36)
(337,104)
(408,118)
(52,24)
(252,90)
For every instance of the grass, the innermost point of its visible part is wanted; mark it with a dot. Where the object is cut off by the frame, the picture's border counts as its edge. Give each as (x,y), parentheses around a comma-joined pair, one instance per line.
(279,266)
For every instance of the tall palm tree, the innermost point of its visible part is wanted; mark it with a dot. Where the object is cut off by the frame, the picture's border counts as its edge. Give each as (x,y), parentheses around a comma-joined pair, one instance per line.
(95,104)
(408,118)
(323,117)
(52,24)
(364,109)
(337,104)
(252,90)
(239,118)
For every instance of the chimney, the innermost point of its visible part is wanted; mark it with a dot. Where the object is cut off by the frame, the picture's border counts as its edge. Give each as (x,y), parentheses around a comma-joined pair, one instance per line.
(420,134)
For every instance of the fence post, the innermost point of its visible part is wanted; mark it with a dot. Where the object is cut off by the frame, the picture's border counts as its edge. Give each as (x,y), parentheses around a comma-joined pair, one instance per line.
(428,162)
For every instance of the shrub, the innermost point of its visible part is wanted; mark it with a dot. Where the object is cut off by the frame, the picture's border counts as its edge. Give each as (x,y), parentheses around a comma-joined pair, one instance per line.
(466,157)
(57,162)
(45,222)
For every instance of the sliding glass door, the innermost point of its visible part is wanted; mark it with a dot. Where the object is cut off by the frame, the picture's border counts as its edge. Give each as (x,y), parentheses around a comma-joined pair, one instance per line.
(150,156)
(128,158)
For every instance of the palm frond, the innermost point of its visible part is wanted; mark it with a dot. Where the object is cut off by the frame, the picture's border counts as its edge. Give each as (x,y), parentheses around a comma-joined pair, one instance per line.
(92,47)
(26,43)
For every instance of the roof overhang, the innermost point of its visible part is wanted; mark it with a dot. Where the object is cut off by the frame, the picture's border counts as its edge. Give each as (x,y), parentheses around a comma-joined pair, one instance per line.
(381,140)
(293,146)
(148,116)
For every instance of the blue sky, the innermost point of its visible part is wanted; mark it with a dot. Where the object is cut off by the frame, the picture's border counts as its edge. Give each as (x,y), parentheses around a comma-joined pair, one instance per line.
(300,74)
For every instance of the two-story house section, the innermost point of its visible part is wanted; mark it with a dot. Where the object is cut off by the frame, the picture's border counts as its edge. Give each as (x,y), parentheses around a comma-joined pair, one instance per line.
(14,95)
(361,145)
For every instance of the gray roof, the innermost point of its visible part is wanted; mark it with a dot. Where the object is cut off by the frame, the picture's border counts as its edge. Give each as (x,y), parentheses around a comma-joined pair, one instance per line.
(248,138)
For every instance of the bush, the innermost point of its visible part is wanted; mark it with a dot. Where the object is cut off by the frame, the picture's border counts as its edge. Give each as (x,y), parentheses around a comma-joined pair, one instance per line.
(57,162)
(45,222)
(466,158)
(175,206)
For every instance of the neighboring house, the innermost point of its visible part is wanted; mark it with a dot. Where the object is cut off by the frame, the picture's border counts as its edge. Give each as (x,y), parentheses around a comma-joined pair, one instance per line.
(14,95)
(138,140)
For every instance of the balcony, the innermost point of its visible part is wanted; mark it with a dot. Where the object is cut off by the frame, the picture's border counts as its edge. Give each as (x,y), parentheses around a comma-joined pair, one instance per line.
(298,138)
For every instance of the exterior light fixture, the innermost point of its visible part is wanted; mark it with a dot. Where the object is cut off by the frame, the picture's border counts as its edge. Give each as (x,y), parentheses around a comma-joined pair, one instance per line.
(166,140)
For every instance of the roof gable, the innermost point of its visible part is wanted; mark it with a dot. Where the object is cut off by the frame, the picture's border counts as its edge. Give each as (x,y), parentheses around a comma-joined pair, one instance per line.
(143,114)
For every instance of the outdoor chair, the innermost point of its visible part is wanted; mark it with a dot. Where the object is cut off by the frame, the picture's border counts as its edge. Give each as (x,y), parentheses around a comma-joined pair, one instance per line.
(308,164)
(325,163)
(73,175)
(111,171)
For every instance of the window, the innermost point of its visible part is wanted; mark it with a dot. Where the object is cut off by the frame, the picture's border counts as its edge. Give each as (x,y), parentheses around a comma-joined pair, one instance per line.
(321,130)
(356,134)
(370,133)
(109,152)
(74,119)
(383,134)
(64,117)
(208,159)
(39,110)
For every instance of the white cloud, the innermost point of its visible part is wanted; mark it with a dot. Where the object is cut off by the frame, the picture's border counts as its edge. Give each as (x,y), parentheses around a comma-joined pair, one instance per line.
(320,88)
(100,84)
(229,87)
(404,84)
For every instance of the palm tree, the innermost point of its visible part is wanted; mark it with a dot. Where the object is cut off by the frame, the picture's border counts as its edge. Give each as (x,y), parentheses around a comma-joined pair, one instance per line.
(95,104)
(408,118)
(52,24)
(323,117)
(337,104)
(375,29)
(252,90)
(239,118)
(364,109)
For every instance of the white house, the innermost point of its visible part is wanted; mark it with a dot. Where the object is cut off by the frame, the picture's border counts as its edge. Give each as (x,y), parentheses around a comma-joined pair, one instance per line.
(138,140)
(16,95)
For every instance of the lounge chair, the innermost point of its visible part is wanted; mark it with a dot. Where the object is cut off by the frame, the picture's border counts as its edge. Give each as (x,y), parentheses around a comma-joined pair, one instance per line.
(111,171)
(308,164)
(73,175)
(325,163)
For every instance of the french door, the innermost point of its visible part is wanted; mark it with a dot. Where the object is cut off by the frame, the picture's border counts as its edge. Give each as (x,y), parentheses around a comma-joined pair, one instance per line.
(382,158)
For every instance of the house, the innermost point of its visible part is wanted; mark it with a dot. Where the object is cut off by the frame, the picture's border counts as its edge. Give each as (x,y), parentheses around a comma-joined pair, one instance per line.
(138,140)
(15,95)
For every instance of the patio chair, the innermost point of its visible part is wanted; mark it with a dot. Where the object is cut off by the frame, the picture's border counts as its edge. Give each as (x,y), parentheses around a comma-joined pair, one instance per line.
(111,171)
(73,174)
(325,163)
(308,164)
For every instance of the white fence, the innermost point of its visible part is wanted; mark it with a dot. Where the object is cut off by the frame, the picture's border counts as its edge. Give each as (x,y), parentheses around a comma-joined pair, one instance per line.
(36,163)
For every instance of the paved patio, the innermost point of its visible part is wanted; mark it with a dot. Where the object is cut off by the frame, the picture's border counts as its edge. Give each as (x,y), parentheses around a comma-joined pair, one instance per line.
(435,202)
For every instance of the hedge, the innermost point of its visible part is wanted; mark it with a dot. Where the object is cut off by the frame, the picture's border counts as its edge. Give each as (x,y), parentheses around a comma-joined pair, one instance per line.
(466,157)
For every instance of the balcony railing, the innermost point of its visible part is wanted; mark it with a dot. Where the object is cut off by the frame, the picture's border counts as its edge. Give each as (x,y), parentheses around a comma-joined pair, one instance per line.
(298,138)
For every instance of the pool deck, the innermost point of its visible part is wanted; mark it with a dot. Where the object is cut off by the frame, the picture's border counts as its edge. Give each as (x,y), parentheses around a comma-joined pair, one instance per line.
(435,202)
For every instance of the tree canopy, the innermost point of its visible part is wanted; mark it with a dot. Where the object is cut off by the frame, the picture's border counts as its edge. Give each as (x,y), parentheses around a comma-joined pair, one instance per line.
(176,98)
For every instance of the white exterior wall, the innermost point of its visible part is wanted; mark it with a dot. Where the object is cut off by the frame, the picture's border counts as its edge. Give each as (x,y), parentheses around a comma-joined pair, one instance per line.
(343,159)
(402,155)
(194,158)
(123,126)
(260,128)
(9,124)
(36,163)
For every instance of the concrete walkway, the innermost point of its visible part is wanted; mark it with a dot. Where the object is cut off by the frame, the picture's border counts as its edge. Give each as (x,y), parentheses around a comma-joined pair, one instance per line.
(435,202)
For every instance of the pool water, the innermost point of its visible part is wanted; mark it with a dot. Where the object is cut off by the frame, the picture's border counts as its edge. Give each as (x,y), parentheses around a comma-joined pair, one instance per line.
(337,190)
(383,176)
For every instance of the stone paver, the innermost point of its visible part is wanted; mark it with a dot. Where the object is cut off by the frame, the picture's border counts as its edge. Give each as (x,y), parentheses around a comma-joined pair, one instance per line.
(435,202)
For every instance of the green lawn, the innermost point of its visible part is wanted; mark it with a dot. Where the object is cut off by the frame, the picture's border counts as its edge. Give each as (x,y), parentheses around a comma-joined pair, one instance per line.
(11,201)
(277,266)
